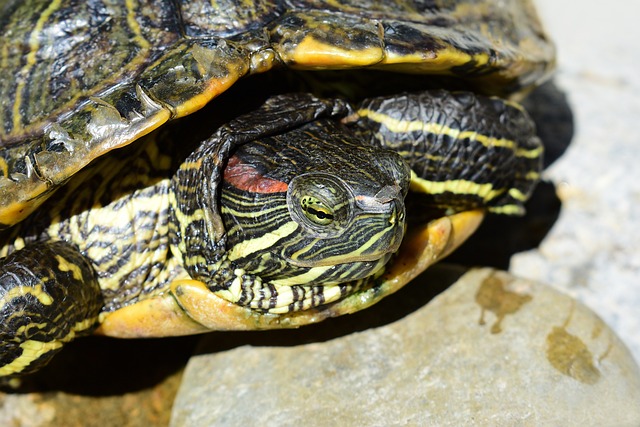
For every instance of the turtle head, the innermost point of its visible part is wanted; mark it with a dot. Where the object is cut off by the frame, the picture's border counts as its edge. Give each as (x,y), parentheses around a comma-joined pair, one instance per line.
(309,212)
(273,227)
(344,221)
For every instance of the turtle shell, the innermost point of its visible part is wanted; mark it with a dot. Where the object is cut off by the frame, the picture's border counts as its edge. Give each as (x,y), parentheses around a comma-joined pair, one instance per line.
(84,78)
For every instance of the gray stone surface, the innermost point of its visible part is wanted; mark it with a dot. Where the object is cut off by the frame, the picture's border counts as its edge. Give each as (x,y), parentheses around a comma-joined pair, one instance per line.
(490,350)
(138,408)
(593,251)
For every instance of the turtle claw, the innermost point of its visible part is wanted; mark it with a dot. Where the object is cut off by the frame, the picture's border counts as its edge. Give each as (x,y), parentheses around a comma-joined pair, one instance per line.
(160,316)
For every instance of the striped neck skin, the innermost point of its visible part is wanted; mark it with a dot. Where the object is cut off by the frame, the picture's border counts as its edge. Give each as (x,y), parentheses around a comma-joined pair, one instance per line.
(302,211)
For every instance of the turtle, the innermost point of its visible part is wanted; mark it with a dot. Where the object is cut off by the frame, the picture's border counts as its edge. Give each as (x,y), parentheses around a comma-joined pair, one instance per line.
(300,208)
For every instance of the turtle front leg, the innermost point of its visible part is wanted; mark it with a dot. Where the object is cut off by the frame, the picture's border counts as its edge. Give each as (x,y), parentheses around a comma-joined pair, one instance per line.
(467,151)
(48,296)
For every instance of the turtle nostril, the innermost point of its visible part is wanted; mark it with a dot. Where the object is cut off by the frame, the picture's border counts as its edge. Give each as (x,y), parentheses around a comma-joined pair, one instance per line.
(387,193)
(381,200)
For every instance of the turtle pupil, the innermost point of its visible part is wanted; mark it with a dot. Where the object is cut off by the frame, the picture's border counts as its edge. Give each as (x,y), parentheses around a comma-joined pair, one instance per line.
(319,214)
(316,211)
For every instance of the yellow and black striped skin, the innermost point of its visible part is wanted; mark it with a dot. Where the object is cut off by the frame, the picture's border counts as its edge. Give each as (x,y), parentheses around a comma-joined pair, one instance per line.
(34,325)
(277,259)
(87,78)
(281,210)
(123,238)
(490,143)
(82,78)
(100,244)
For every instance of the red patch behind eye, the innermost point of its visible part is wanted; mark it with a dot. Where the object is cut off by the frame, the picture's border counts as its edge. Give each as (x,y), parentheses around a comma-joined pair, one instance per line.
(245,177)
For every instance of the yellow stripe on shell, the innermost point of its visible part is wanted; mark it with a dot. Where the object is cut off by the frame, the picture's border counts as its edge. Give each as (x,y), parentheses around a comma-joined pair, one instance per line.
(134,25)
(285,298)
(406,126)
(311,52)
(215,84)
(34,45)
(441,60)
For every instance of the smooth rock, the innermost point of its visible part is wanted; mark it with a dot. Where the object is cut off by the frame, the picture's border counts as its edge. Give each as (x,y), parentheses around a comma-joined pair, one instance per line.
(490,350)
(593,250)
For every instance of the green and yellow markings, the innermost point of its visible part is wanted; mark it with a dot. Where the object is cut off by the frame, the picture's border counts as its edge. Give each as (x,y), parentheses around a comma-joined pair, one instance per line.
(18,244)
(235,212)
(486,192)
(406,126)
(4,56)
(267,240)
(360,254)
(31,351)
(4,167)
(196,215)
(285,296)
(532,176)
(133,24)
(234,291)
(506,209)
(103,221)
(518,195)
(533,153)
(307,277)
(31,58)
(441,60)
(213,83)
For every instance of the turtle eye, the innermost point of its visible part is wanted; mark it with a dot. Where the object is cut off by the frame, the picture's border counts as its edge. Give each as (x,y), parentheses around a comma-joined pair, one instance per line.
(320,203)
(316,210)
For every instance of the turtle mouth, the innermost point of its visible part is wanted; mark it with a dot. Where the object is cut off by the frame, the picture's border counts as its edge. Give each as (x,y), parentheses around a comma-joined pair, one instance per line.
(346,259)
